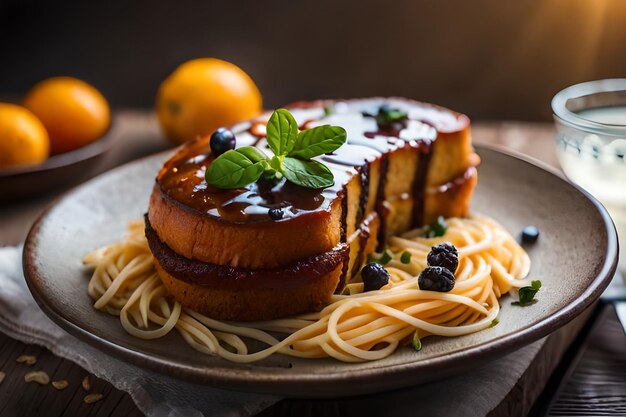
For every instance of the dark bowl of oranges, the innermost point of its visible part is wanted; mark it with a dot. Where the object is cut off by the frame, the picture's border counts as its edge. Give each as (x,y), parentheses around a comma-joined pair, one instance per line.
(54,139)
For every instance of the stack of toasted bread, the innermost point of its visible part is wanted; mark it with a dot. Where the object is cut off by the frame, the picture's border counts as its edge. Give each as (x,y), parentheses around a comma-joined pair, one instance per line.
(226,253)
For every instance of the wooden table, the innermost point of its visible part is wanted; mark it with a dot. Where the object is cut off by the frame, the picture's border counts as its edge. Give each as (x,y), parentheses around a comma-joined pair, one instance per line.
(588,378)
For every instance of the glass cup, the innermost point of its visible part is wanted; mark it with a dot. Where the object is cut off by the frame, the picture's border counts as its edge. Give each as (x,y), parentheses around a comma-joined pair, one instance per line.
(591,144)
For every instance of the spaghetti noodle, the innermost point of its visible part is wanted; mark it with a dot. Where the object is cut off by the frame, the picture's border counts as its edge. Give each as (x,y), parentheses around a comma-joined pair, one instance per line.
(356,326)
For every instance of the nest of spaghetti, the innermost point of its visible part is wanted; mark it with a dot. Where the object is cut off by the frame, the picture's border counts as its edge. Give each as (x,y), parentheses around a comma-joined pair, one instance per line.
(355,326)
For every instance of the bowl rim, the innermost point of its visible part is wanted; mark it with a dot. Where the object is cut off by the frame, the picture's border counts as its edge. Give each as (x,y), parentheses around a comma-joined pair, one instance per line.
(88,151)
(567,117)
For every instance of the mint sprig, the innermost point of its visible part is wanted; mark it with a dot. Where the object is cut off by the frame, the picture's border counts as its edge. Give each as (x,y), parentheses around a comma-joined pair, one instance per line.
(292,150)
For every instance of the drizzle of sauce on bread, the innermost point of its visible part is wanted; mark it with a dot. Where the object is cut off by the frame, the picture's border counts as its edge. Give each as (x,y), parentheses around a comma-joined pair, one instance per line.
(182,178)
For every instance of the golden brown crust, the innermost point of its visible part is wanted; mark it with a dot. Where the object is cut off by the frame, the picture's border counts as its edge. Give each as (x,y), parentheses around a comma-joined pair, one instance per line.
(451,199)
(451,155)
(256,245)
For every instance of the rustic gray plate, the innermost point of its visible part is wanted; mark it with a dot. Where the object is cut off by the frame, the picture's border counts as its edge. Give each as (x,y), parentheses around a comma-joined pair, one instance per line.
(575,258)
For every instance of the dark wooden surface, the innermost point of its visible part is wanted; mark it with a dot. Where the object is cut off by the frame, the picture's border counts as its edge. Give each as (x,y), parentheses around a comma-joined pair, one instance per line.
(596,386)
(18,398)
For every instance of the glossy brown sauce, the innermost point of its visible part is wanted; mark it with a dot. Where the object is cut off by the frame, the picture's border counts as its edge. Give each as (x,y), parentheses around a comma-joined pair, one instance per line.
(364,174)
(182,178)
(223,276)
(419,184)
(364,234)
(382,210)
(185,183)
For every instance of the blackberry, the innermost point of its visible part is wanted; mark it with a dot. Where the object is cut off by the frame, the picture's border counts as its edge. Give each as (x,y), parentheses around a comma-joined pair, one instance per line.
(444,254)
(436,278)
(374,277)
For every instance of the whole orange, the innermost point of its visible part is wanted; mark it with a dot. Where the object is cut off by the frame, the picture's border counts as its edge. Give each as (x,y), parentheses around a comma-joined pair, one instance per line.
(74,112)
(204,94)
(23,138)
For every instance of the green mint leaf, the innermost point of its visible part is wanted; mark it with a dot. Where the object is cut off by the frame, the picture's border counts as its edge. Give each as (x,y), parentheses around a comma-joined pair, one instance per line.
(437,228)
(317,141)
(282,131)
(252,153)
(416,342)
(236,168)
(527,294)
(405,258)
(310,174)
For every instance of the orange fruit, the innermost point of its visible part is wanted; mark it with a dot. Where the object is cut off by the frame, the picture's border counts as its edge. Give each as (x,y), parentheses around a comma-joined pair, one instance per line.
(23,138)
(204,94)
(73,112)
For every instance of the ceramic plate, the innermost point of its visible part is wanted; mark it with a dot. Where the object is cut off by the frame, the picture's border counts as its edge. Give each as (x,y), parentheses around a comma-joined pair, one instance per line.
(574,258)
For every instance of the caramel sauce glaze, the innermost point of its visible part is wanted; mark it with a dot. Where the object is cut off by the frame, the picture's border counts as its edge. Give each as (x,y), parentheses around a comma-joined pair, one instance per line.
(182,177)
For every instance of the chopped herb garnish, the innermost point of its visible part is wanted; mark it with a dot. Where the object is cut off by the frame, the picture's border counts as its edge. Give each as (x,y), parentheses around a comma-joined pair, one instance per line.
(437,229)
(387,116)
(416,342)
(527,294)
(328,110)
(494,323)
(384,258)
(405,258)
(292,150)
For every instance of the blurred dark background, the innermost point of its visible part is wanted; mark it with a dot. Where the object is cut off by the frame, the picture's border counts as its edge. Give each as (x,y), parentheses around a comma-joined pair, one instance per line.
(492,59)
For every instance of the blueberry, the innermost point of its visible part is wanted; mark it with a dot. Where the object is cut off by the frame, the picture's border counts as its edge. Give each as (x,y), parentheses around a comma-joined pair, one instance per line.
(436,278)
(530,234)
(444,254)
(374,277)
(276,213)
(222,140)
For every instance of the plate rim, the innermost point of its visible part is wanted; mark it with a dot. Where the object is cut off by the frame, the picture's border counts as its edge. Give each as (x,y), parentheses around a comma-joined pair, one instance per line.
(356,382)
